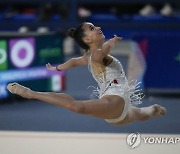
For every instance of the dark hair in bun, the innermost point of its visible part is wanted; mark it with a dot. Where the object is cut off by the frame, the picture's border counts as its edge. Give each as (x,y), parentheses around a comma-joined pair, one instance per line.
(71,32)
(78,35)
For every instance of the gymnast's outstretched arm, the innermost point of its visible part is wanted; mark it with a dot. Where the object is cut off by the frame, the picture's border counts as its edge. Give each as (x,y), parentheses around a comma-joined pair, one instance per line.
(104,51)
(110,43)
(73,62)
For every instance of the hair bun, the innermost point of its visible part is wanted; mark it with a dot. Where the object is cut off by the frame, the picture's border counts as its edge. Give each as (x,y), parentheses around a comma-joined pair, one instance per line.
(71,32)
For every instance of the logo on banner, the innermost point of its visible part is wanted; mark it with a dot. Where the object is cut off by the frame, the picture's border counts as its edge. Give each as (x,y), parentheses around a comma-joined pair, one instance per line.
(22,52)
(3,55)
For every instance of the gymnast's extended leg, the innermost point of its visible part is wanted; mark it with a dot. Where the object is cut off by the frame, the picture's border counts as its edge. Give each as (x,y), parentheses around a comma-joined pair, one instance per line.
(101,108)
(142,114)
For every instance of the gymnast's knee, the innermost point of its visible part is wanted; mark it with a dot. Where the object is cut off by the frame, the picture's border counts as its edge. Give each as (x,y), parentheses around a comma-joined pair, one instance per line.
(78,108)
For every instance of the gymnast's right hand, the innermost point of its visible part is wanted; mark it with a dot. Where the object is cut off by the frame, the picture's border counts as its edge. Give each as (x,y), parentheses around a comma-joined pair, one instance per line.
(50,67)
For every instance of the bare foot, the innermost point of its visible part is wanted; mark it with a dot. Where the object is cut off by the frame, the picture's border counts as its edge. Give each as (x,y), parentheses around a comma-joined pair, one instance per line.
(158,110)
(152,111)
(20,90)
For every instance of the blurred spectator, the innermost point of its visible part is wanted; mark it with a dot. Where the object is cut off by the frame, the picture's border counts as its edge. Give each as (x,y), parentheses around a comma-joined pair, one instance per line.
(10,12)
(83,12)
(48,10)
(43,29)
(23,29)
(147,10)
(167,10)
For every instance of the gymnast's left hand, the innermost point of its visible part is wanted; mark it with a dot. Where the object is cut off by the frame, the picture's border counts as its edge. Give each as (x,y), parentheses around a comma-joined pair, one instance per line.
(114,40)
(50,67)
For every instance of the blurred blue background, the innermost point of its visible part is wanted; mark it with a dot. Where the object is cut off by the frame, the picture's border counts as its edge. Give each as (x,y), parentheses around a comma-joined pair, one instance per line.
(149,52)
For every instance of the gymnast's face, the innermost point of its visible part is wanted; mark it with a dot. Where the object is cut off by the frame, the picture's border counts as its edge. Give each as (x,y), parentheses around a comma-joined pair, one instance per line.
(92,34)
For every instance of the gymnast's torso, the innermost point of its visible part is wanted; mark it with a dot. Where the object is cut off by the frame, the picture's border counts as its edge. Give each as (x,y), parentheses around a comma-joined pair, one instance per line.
(112,80)
(105,76)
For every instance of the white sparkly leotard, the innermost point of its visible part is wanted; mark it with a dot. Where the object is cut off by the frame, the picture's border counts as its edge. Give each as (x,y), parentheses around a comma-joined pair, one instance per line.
(113,81)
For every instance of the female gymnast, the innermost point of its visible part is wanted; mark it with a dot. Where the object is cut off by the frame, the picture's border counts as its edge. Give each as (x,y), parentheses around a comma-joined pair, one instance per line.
(117,98)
